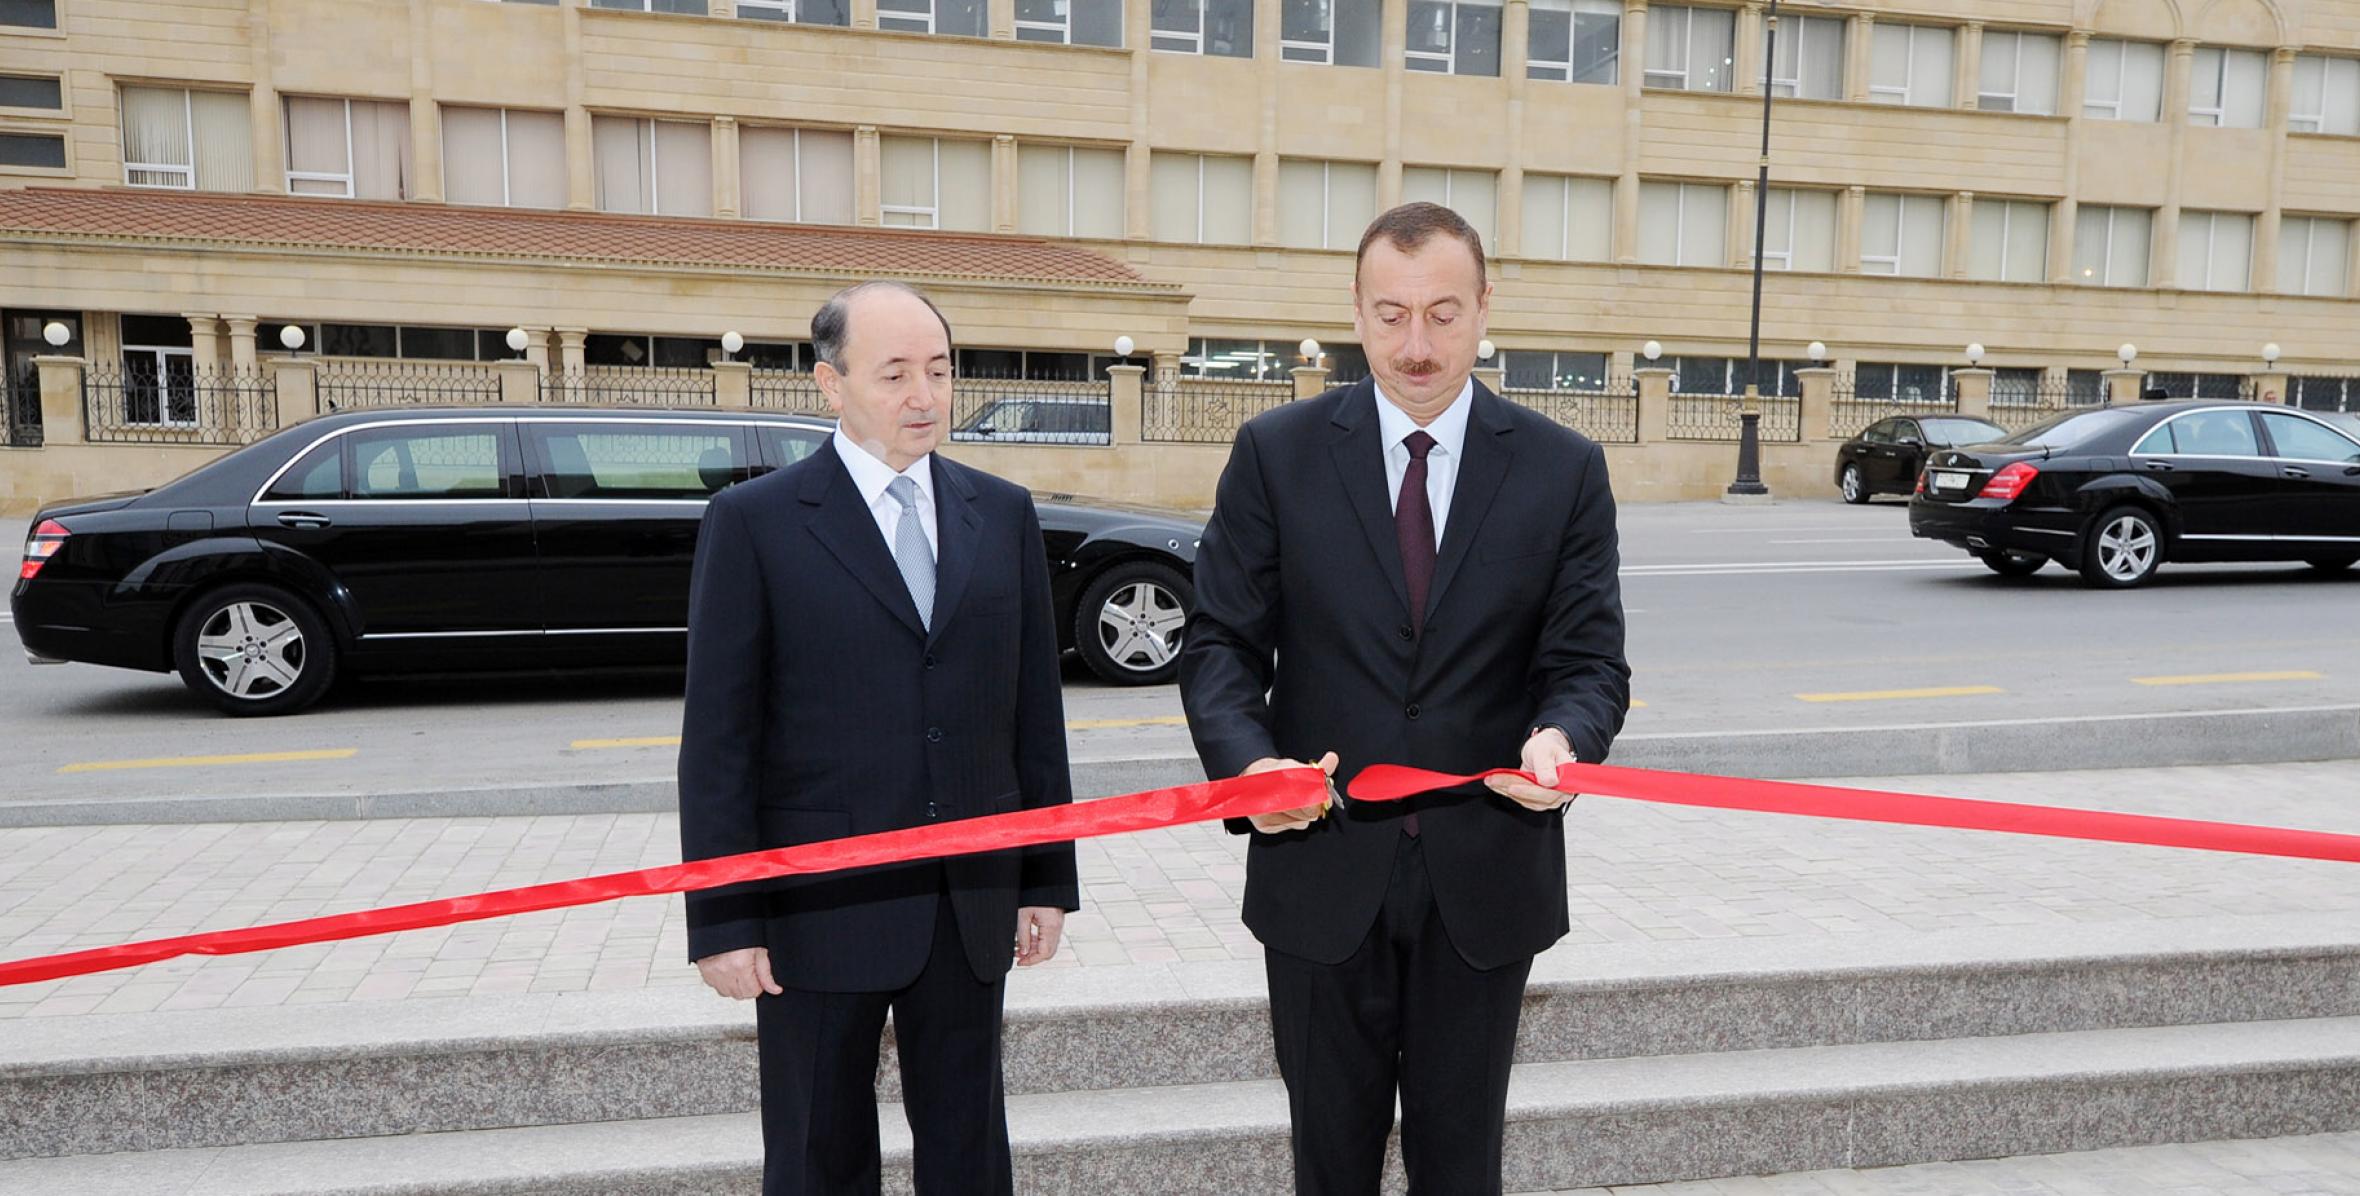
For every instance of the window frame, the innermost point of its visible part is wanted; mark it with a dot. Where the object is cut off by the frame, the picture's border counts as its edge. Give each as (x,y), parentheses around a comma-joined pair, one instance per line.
(2106,265)
(1198,35)
(1534,65)
(2310,232)
(1687,71)
(2015,91)
(2007,222)
(650,180)
(2328,64)
(161,354)
(1564,184)
(2212,233)
(1900,227)
(1448,58)
(1881,94)
(62,107)
(2121,47)
(188,172)
(287,147)
(1680,221)
(1794,84)
(2217,116)
(507,155)
(1063,28)
(933,213)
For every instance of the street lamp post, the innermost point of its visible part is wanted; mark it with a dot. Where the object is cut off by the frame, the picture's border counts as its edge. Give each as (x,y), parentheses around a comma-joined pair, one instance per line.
(1748,483)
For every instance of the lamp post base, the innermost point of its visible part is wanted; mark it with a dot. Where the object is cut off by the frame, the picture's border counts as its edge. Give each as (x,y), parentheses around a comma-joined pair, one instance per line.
(1758,496)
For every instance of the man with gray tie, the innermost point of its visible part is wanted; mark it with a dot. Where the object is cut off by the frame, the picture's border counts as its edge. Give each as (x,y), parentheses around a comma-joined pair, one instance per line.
(871,647)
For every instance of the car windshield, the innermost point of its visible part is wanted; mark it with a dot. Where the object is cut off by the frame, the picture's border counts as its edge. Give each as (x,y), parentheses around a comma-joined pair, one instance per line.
(2078,427)
(1961,431)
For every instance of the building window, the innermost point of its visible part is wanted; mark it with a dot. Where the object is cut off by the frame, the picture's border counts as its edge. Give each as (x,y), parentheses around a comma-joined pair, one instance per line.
(1068,191)
(2011,241)
(803,175)
(416,342)
(2327,394)
(1898,383)
(1684,224)
(1568,219)
(1910,64)
(38,92)
(1575,41)
(29,14)
(1691,49)
(159,371)
(1340,32)
(504,157)
(2326,95)
(1473,194)
(653,167)
(1246,360)
(2019,73)
(1727,376)
(951,18)
(1545,369)
(350,149)
(801,12)
(1197,199)
(1799,231)
(1453,37)
(1070,22)
(2228,88)
(34,151)
(936,183)
(2186,385)
(1219,28)
(1810,60)
(2125,81)
(189,140)
(633,349)
(2015,385)
(692,8)
(2314,256)
(1902,234)
(2216,251)
(2110,245)
(1325,205)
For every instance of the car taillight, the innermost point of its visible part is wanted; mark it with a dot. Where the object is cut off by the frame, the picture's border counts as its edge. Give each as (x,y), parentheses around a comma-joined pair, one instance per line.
(40,546)
(2011,480)
(1921,483)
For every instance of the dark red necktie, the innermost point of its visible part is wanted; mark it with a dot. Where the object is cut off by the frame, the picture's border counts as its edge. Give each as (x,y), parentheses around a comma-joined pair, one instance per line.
(1413,530)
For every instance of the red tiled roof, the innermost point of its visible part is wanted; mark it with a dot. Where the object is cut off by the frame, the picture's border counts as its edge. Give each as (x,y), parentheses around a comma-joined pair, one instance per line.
(120,214)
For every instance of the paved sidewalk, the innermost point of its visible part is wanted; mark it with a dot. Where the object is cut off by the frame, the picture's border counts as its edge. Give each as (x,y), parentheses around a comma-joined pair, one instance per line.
(2322,1165)
(1640,873)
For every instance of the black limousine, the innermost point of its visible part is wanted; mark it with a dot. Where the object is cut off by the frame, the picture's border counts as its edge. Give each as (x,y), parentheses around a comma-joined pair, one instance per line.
(409,540)
(2114,492)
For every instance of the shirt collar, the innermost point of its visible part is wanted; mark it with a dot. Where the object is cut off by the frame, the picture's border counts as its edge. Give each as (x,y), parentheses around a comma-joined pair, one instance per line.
(871,476)
(1449,429)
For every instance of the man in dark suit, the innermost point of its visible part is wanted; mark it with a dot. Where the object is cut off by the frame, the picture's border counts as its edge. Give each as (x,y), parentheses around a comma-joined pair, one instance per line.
(870,648)
(1407,570)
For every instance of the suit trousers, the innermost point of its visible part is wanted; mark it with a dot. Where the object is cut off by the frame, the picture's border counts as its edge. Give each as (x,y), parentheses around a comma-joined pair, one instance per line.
(819,1056)
(1404,1011)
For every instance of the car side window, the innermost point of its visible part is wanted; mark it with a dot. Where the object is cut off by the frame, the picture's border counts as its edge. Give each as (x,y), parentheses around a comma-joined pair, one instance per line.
(2216,434)
(319,474)
(1880,432)
(2299,439)
(783,445)
(633,460)
(2157,443)
(1907,430)
(458,461)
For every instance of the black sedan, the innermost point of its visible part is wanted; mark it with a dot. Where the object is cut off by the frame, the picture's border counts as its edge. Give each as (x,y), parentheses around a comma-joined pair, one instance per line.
(2114,492)
(1887,455)
(481,539)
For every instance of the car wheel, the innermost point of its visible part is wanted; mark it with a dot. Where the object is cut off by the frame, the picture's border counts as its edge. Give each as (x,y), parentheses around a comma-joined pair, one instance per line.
(1127,625)
(2123,548)
(2012,564)
(2331,565)
(254,650)
(1854,487)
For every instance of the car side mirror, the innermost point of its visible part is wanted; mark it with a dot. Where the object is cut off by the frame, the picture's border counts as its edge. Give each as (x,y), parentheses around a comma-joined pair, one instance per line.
(1912,442)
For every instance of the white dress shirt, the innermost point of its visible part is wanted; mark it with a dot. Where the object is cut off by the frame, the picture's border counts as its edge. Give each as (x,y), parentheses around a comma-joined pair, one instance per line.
(1449,431)
(871,476)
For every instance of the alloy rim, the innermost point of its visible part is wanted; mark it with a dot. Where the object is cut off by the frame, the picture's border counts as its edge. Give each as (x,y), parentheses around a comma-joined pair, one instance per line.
(2126,550)
(251,650)
(1140,626)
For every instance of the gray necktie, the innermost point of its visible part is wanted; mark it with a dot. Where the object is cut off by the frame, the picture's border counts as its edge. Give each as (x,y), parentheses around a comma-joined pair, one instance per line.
(910,550)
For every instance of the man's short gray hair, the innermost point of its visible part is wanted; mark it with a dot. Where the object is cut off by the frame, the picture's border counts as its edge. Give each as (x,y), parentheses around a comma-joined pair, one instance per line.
(833,325)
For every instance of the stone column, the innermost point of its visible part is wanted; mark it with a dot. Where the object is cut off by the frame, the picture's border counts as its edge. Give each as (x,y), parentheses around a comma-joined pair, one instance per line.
(241,343)
(1310,380)
(2273,386)
(864,14)
(1858,53)
(1739,226)
(581,160)
(2265,232)
(1265,230)
(536,347)
(1393,36)
(733,384)
(868,186)
(1624,248)
(1851,213)
(1749,64)
(1973,388)
(1818,384)
(1138,161)
(297,381)
(726,187)
(1967,82)
(2070,96)
(1655,403)
(1000,19)
(2122,385)
(1507,239)
(204,338)
(1127,393)
(425,114)
(1958,235)
(569,349)
(270,161)
(1004,176)
(520,381)
(1493,377)
(2163,257)
(61,400)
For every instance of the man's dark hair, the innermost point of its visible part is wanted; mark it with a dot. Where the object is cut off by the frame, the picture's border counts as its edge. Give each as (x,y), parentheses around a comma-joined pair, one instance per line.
(833,324)
(1408,228)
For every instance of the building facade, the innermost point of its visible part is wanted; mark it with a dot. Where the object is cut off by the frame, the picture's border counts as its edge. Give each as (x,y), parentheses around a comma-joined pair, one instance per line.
(625,180)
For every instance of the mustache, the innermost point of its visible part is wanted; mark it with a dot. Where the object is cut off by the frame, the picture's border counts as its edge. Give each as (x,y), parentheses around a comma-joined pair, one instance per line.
(1419,365)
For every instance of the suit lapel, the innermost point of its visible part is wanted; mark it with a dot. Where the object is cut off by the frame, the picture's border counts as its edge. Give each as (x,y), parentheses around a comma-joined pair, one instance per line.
(957,528)
(1359,452)
(844,525)
(1483,465)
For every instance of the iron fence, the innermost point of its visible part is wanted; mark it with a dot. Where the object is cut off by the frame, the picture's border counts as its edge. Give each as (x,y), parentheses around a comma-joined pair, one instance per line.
(1608,415)
(1850,412)
(1032,411)
(786,390)
(2323,392)
(2018,409)
(180,405)
(632,386)
(346,385)
(20,423)
(1720,418)
(1206,410)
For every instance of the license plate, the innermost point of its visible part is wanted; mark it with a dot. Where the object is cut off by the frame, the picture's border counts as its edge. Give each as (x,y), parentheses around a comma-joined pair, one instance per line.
(1946,480)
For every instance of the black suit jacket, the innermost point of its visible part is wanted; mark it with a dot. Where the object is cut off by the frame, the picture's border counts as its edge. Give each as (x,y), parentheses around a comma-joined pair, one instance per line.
(1299,595)
(818,707)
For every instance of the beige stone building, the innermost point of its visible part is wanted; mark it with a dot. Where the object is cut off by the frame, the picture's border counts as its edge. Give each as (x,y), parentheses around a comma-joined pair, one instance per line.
(406,181)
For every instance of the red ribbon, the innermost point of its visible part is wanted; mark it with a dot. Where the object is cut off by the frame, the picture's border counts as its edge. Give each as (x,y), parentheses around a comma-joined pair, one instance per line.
(1389,782)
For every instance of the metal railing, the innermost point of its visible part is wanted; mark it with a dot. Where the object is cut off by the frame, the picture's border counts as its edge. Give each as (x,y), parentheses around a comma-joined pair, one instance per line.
(20,411)
(2018,409)
(632,386)
(1850,412)
(347,385)
(1206,410)
(179,406)
(1609,415)
(786,390)
(1029,411)
(1719,418)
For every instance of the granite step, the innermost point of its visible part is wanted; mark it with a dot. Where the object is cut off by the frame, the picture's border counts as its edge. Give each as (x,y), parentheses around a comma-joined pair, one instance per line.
(134,1082)
(1573,1124)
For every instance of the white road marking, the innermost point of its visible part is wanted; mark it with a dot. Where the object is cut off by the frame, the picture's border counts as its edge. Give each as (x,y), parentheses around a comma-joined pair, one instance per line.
(1751,570)
(1850,540)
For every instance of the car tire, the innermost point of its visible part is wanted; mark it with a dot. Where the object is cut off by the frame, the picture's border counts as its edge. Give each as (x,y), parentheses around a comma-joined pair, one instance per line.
(2329,566)
(2012,564)
(1128,622)
(2122,549)
(1852,486)
(254,650)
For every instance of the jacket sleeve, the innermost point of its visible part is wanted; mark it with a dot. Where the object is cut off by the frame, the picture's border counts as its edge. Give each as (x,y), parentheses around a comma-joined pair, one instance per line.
(1580,673)
(1230,651)
(1048,877)
(721,727)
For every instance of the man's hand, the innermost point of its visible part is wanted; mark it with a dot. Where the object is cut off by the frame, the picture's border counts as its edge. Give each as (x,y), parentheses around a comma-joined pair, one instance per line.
(1039,928)
(1292,820)
(1544,753)
(742,974)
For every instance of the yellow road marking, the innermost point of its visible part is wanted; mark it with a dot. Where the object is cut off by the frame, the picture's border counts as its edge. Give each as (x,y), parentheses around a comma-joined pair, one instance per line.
(643,741)
(1636,704)
(195,761)
(1896,695)
(2230,678)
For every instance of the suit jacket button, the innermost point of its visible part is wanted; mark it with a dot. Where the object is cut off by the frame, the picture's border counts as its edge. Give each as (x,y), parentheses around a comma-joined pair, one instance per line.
(1404,632)
(934,735)
(1413,710)
(930,660)
(932,811)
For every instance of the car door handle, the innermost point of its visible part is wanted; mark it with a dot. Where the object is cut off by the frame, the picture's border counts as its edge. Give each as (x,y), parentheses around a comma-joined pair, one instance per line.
(2157,466)
(2296,471)
(302,519)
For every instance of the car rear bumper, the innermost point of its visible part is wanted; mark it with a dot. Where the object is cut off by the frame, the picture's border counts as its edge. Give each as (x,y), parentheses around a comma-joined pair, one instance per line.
(60,622)
(1983,525)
